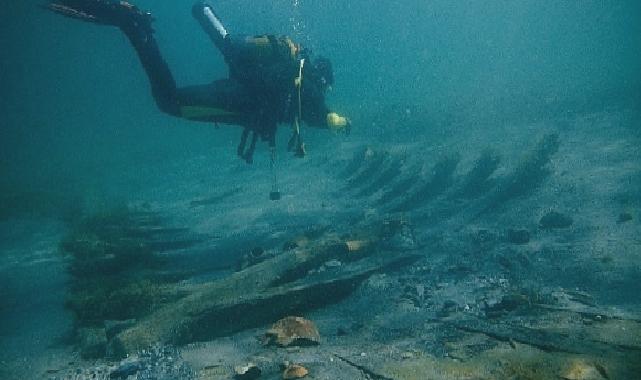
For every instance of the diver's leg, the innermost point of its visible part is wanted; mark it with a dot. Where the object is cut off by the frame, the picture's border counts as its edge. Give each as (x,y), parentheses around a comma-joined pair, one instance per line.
(163,85)
(203,11)
(243,142)
(136,25)
(249,154)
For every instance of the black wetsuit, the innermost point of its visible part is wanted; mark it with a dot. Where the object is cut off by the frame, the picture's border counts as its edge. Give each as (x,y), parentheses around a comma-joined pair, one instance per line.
(258,95)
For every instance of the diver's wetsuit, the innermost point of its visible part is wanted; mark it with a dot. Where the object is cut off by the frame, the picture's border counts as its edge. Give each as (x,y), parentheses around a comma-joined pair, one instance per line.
(260,90)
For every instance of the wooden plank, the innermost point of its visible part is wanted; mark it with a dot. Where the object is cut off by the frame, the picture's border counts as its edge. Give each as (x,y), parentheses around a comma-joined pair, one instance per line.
(565,342)
(256,295)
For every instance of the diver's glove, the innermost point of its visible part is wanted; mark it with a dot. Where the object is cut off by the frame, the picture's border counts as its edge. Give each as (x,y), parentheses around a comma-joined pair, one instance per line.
(338,123)
(106,12)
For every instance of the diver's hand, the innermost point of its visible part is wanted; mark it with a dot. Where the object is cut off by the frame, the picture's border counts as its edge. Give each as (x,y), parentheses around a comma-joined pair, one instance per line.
(106,12)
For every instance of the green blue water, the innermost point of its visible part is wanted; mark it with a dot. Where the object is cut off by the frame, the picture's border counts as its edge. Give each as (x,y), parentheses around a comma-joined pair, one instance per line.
(74,97)
(80,132)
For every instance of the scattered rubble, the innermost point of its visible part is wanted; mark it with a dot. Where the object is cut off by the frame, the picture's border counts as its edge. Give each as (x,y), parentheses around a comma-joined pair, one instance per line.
(126,369)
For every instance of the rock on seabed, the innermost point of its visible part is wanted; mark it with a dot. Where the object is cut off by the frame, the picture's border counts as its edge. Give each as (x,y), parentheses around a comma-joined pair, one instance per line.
(295,371)
(293,331)
(553,220)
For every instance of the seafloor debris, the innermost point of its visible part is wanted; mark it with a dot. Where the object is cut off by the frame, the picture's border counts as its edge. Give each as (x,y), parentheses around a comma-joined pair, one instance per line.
(388,173)
(249,371)
(113,259)
(125,370)
(155,362)
(554,220)
(364,155)
(368,372)
(439,178)
(477,180)
(624,217)
(253,257)
(293,331)
(503,328)
(259,294)
(528,174)
(116,273)
(370,165)
(215,199)
(113,328)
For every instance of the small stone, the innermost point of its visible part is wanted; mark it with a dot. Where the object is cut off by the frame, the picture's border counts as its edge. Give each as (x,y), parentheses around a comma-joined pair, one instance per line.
(407,355)
(295,371)
(407,306)
(507,304)
(125,370)
(420,290)
(555,220)
(289,245)
(248,371)
(256,252)
(485,236)
(293,331)
(450,305)
(355,245)
(624,217)
(333,264)
(580,370)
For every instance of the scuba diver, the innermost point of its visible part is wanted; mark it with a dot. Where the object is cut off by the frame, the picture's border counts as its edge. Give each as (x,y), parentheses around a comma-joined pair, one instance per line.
(271,80)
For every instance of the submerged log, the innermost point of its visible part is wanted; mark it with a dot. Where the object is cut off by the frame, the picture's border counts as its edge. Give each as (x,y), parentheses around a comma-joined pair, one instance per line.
(549,341)
(258,295)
